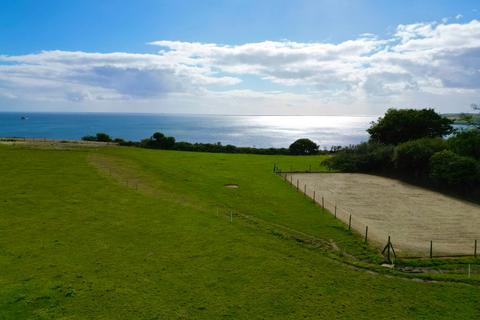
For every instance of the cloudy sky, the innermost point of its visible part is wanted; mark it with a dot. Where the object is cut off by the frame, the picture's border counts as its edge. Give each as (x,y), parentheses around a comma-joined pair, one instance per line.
(239,57)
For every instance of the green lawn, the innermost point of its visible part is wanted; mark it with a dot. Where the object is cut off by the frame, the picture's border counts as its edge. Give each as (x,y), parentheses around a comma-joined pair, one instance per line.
(126,233)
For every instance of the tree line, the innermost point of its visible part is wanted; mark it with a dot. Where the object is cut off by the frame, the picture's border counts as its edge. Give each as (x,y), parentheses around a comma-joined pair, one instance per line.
(160,141)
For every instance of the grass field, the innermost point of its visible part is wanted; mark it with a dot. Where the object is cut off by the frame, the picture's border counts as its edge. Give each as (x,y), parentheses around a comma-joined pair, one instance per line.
(411,215)
(125,233)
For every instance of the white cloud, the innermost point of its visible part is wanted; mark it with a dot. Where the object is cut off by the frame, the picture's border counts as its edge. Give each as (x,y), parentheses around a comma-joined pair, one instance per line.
(367,74)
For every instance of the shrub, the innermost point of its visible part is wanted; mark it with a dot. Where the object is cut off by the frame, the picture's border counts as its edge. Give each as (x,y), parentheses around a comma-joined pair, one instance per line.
(89,138)
(365,157)
(414,156)
(466,143)
(103,137)
(451,170)
(303,147)
(159,141)
(184,146)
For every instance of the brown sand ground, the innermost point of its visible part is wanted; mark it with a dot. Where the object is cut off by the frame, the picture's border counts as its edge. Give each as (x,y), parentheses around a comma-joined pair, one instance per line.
(411,215)
(53,144)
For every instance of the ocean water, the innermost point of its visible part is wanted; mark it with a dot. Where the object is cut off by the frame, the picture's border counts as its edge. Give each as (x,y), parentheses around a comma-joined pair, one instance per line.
(245,131)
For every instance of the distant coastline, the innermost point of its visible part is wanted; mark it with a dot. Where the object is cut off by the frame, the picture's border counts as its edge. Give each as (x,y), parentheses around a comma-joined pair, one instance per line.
(243,131)
(459,118)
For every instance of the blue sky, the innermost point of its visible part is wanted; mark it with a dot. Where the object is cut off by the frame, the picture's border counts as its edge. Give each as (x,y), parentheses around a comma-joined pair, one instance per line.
(203,56)
(106,26)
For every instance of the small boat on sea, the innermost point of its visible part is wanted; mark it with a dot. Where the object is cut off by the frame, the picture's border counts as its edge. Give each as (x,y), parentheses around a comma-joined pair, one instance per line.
(24,117)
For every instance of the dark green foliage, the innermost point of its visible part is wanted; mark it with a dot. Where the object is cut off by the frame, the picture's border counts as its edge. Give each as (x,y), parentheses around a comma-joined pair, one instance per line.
(125,143)
(466,143)
(160,141)
(89,138)
(102,137)
(413,157)
(367,157)
(408,144)
(454,171)
(219,148)
(303,147)
(403,125)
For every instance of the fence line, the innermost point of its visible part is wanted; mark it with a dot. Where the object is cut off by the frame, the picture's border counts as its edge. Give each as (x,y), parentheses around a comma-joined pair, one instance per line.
(346,215)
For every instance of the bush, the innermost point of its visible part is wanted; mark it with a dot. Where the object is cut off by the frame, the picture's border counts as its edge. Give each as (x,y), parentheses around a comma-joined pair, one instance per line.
(365,157)
(466,143)
(102,137)
(451,170)
(403,125)
(414,156)
(303,147)
(89,138)
(159,141)
(184,146)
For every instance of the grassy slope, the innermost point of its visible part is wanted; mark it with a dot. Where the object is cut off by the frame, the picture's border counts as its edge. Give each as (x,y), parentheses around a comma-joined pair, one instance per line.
(76,242)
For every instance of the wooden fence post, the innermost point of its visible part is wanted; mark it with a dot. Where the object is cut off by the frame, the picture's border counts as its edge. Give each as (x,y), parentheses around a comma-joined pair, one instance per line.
(388,244)
(475,249)
(323,203)
(335,210)
(305,189)
(297,184)
(314,196)
(366,234)
(350,222)
(431,249)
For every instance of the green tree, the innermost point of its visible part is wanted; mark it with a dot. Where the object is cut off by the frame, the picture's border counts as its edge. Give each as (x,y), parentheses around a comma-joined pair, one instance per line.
(89,138)
(159,140)
(402,125)
(103,137)
(303,147)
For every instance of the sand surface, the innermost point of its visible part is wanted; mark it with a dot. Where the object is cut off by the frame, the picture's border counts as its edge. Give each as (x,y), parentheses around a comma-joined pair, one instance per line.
(412,216)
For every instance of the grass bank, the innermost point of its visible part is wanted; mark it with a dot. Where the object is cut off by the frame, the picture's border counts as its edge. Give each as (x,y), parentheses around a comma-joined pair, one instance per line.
(122,233)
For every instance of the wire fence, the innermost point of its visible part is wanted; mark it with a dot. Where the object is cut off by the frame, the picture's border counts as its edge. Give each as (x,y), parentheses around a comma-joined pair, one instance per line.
(393,242)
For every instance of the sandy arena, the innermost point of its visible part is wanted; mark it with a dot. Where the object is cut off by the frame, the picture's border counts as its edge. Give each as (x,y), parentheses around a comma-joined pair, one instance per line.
(412,216)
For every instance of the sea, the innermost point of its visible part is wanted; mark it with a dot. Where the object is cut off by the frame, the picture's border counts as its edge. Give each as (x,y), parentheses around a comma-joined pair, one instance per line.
(243,131)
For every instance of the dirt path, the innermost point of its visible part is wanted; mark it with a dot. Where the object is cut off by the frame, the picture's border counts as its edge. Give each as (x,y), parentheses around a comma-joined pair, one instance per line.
(412,216)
